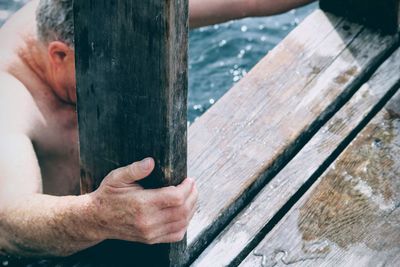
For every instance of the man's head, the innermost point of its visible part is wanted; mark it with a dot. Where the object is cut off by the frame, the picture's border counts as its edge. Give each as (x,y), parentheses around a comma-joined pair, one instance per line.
(55,28)
(55,21)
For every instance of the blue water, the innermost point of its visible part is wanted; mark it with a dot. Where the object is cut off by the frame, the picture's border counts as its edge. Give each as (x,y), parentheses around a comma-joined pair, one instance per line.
(220,55)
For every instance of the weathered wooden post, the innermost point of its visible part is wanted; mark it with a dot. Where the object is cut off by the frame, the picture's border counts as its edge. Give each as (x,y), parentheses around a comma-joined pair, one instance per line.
(381,14)
(131,69)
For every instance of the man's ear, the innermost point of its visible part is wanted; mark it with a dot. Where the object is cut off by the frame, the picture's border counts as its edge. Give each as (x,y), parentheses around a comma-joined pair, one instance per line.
(59,53)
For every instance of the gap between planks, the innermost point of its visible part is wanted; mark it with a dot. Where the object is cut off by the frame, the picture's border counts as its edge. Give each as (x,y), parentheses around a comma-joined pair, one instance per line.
(254,222)
(350,216)
(231,159)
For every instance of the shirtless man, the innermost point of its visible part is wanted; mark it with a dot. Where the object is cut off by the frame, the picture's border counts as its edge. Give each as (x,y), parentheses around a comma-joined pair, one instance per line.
(41,213)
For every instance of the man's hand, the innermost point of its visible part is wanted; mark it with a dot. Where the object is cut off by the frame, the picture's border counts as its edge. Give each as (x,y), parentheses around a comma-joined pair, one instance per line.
(38,225)
(126,211)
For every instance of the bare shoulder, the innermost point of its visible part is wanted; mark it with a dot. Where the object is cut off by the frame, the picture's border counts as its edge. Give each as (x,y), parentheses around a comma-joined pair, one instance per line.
(19,167)
(18,110)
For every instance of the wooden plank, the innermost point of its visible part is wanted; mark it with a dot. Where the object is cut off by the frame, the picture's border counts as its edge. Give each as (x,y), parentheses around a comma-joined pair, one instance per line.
(380,14)
(242,233)
(132,93)
(249,135)
(351,215)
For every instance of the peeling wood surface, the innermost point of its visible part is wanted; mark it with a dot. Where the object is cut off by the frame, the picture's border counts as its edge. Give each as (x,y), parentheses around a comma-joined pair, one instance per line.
(351,215)
(131,59)
(242,232)
(249,134)
(378,14)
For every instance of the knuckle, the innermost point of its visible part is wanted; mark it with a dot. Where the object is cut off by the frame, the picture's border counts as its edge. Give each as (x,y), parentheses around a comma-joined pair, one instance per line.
(176,227)
(146,234)
(184,224)
(180,226)
(179,236)
(112,174)
(186,210)
(171,189)
(175,196)
(150,242)
(179,200)
(146,231)
(183,213)
(145,240)
(148,237)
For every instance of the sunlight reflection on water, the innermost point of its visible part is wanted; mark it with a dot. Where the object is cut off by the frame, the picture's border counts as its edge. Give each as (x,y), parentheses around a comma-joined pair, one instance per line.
(220,55)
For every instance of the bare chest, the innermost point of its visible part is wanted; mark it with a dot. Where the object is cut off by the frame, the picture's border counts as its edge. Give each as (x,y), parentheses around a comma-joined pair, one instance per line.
(56,146)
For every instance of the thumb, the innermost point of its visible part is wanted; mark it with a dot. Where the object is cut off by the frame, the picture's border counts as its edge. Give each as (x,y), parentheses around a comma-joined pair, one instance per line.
(134,172)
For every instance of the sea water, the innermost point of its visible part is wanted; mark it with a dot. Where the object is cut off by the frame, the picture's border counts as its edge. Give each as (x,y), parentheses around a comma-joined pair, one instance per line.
(220,55)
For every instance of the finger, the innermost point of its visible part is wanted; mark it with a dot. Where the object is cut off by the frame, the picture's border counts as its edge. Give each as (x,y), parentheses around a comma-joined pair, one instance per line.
(184,212)
(171,238)
(167,229)
(193,202)
(134,172)
(172,196)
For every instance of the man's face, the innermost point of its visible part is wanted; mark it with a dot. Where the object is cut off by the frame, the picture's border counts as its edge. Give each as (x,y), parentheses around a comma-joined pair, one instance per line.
(62,62)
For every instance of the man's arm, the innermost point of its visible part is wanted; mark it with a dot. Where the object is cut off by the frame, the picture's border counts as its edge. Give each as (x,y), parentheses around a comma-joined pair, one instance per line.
(28,219)
(37,225)
(207,12)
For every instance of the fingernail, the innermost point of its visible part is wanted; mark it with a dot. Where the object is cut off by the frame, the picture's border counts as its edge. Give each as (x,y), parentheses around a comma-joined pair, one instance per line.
(146,164)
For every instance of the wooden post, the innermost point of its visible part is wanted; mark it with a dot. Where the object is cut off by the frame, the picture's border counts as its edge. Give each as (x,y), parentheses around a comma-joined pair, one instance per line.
(131,71)
(380,14)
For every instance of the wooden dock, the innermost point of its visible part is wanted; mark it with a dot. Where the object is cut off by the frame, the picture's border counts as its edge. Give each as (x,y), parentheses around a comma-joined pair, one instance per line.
(298,164)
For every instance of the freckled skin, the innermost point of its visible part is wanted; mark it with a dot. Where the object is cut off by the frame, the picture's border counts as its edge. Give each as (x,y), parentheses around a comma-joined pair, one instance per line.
(41,213)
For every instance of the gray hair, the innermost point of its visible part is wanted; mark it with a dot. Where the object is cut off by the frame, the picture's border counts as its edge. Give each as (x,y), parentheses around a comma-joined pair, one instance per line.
(55,21)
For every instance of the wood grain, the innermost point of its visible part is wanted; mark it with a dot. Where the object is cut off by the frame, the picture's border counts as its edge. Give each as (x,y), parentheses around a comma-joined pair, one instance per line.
(245,229)
(379,14)
(351,215)
(131,61)
(261,123)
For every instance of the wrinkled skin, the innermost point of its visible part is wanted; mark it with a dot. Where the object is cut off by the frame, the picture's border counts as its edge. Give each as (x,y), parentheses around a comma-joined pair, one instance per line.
(41,212)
